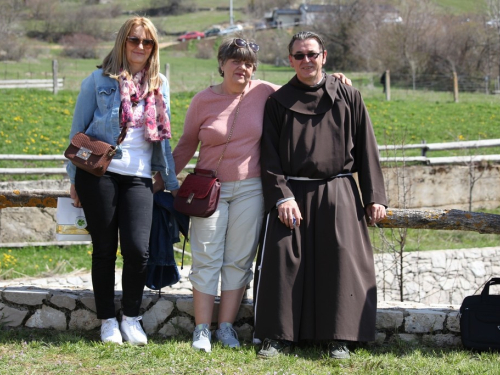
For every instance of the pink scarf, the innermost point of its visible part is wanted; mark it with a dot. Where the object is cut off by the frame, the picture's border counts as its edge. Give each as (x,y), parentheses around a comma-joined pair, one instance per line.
(157,123)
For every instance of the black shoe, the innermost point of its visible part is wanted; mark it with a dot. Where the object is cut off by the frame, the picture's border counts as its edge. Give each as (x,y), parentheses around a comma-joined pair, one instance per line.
(272,348)
(338,350)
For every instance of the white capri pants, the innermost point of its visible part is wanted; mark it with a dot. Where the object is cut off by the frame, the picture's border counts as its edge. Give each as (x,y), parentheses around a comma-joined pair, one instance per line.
(225,243)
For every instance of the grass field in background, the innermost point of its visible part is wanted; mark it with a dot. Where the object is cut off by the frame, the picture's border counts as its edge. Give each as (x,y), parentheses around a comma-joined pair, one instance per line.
(39,122)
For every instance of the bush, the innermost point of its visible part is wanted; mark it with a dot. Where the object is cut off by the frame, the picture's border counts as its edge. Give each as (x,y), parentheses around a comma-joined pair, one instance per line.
(79,46)
(11,49)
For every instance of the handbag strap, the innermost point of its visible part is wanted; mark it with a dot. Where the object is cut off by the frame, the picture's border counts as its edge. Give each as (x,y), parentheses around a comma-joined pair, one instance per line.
(122,135)
(230,133)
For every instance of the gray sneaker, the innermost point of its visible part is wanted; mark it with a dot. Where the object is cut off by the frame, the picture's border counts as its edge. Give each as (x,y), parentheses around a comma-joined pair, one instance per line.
(202,337)
(227,335)
(338,350)
(272,348)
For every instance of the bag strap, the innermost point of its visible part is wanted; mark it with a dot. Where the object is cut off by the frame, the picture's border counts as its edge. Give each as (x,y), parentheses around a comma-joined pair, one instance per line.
(230,133)
(122,135)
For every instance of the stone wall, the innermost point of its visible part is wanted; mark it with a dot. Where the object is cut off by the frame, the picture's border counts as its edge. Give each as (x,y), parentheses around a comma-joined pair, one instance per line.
(431,277)
(443,187)
(172,315)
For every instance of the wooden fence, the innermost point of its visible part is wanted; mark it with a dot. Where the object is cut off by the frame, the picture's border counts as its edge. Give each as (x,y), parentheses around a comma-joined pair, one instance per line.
(53,84)
(384,150)
(47,84)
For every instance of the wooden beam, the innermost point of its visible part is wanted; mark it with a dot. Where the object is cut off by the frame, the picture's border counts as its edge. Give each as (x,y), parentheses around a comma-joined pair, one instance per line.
(396,218)
(442,219)
(30,198)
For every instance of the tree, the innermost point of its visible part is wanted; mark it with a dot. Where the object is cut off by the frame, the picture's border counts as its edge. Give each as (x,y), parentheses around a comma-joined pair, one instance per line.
(411,38)
(493,13)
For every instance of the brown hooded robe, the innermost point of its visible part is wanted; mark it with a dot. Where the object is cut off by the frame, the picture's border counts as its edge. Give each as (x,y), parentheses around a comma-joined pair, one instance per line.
(317,281)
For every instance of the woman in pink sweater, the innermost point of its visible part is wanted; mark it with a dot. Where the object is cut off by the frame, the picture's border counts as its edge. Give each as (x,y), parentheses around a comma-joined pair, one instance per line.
(224,245)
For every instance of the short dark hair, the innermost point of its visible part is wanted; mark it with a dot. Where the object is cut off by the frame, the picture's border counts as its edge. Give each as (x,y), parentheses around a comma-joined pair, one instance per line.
(229,50)
(304,35)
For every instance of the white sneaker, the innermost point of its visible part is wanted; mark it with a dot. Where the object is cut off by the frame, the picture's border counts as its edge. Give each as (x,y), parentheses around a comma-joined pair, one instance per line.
(110,331)
(202,337)
(227,335)
(132,331)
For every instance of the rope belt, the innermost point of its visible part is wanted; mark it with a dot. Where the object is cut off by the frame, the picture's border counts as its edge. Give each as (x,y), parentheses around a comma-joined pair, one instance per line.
(317,179)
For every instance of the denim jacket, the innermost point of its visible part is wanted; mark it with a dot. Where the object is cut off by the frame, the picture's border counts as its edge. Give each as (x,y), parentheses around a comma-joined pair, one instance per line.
(97,113)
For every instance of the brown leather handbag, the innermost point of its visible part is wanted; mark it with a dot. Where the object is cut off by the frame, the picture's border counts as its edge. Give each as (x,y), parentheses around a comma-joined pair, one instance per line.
(199,193)
(91,154)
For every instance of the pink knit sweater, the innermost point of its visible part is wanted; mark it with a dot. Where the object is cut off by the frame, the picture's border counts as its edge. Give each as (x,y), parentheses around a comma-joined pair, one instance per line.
(208,121)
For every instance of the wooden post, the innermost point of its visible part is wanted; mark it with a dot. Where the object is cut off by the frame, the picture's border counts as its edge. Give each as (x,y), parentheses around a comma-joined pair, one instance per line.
(388,85)
(54,77)
(455,87)
(167,72)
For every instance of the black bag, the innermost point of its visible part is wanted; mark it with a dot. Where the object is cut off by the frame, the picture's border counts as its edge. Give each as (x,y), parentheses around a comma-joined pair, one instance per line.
(480,319)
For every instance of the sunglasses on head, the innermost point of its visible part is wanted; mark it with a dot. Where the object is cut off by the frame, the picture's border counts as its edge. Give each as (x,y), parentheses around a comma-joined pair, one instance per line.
(310,55)
(242,43)
(146,43)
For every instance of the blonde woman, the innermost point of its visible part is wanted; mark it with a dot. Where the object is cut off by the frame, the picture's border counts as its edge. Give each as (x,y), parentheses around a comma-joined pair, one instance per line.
(127,90)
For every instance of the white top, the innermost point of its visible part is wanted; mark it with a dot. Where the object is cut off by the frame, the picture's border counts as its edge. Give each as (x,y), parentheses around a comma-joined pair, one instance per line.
(137,152)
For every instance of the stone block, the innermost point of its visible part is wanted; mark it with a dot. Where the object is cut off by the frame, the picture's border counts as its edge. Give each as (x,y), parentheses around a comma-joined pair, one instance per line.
(11,317)
(25,296)
(84,319)
(438,260)
(443,340)
(149,298)
(185,305)
(453,321)
(156,315)
(380,338)
(47,317)
(387,276)
(477,268)
(424,321)
(406,337)
(64,300)
(179,325)
(424,267)
(88,301)
(245,332)
(389,319)
(246,311)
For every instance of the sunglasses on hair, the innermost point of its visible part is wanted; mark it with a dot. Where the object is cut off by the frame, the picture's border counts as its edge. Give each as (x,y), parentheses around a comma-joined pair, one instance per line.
(311,55)
(242,43)
(146,43)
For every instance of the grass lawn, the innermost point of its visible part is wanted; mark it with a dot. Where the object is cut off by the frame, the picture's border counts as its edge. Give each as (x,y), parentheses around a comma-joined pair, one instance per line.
(49,352)
(45,261)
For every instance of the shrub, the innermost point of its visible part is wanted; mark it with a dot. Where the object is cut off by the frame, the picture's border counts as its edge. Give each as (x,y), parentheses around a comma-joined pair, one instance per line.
(11,49)
(79,46)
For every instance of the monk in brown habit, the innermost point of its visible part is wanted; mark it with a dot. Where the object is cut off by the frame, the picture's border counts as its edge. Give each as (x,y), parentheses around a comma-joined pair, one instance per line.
(315,277)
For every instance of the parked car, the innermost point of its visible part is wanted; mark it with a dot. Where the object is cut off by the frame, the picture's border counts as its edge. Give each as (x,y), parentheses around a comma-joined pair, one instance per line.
(231,30)
(261,25)
(191,35)
(213,31)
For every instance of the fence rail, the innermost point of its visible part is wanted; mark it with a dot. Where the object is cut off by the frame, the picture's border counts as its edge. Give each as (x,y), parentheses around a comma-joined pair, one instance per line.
(425,147)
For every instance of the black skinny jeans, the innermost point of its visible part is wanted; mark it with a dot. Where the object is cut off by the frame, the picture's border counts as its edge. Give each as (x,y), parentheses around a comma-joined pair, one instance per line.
(117,204)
